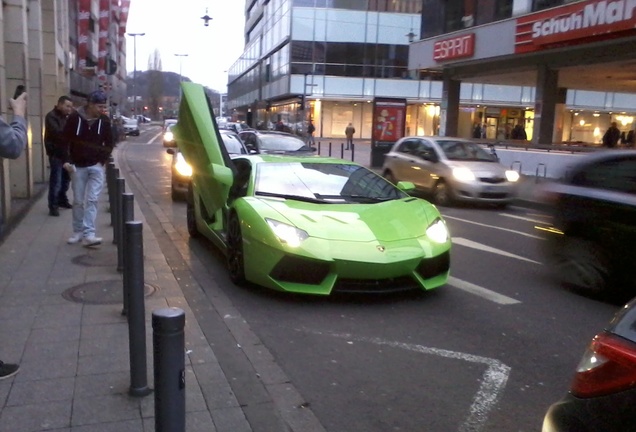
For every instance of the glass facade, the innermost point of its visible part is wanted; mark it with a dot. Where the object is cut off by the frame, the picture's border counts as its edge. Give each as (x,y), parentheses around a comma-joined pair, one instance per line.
(405,6)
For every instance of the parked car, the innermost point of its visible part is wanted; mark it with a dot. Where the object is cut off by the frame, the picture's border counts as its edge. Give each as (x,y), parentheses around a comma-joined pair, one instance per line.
(308,224)
(274,142)
(450,170)
(131,127)
(237,127)
(591,237)
(168,135)
(602,395)
(182,170)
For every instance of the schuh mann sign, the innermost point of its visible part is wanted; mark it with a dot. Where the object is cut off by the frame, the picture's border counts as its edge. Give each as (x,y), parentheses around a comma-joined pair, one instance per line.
(574,24)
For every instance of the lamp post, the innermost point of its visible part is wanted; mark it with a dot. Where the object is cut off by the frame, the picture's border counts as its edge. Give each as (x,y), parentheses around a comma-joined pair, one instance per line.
(134,36)
(181,56)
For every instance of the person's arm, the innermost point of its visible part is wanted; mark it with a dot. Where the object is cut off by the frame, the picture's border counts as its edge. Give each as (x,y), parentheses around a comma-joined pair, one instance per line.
(13,137)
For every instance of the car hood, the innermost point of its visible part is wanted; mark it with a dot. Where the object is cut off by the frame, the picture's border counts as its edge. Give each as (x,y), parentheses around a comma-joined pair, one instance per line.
(388,221)
(480,169)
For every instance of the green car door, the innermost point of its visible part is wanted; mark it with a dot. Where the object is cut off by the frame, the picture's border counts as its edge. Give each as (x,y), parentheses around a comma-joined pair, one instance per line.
(199,140)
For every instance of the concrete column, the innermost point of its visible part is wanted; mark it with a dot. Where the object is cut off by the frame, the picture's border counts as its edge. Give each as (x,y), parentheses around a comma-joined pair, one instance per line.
(5,190)
(15,48)
(561,118)
(35,66)
(547,96)
(449,110)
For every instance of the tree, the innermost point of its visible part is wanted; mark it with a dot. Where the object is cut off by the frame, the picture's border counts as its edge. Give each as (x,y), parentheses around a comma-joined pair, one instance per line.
(155,84)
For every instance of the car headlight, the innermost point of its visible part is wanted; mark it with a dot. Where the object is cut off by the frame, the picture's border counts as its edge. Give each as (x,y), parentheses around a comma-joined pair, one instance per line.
(168,136)
(512,176)
(463,174)
(288,234)
(182,167)
(437,231)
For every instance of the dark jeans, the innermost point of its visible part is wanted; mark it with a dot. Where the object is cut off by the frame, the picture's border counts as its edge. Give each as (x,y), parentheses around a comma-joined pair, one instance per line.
(349,143)
(59,181)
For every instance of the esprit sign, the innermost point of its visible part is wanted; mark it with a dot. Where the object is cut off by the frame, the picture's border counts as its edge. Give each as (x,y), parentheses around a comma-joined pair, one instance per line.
(575,23)
(455,47)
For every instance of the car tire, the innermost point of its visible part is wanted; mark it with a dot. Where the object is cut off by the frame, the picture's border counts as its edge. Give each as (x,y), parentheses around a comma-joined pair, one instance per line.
(442,195)
(580,264)
(235,257)
(388,175)
(191,221)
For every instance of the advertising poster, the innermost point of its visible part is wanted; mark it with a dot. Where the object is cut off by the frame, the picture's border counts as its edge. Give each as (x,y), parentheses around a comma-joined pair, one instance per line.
(82,32)
(104,22)
(389,116)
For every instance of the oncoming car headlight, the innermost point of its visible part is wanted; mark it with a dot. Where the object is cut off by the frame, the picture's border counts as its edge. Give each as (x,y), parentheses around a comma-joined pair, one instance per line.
(437,231)
(463,174)
(286,233)
(512,176)
(182,167)
(168,136)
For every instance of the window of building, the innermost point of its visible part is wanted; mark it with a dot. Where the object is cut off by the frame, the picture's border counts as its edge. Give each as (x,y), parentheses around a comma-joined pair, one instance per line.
(545,4)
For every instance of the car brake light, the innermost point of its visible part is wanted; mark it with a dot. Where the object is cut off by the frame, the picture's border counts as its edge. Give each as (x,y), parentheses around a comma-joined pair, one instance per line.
(608,366)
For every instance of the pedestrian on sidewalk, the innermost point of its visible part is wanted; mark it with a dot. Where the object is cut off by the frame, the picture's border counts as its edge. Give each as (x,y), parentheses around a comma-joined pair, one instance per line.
(310,133)
(519,132)
(13,139)
(349,131)
(59,178)
(611,136)
(88,133)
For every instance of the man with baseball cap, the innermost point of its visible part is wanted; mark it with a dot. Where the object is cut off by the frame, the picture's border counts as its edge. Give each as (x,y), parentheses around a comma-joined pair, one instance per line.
(88,133)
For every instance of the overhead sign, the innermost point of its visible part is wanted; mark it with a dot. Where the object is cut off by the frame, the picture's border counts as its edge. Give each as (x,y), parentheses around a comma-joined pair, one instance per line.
(453,48)
(575,23)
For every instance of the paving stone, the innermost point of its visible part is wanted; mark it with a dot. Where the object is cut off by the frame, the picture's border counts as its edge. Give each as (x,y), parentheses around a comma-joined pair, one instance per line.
(47,390)
(36,417)
(104,409)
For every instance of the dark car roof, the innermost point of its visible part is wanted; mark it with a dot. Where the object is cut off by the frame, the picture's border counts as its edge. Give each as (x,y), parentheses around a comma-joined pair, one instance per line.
(594,158)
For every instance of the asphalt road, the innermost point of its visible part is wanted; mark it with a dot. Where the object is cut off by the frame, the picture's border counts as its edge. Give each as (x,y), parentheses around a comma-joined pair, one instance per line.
(488,352)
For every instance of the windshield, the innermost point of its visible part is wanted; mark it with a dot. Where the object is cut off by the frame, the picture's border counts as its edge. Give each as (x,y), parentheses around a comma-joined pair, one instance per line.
(233,144)
(465,151)
(285,143)
(324,182)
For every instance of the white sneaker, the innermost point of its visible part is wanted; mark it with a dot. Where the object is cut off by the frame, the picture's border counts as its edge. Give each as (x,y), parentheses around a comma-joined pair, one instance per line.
(75,238)
(92,241)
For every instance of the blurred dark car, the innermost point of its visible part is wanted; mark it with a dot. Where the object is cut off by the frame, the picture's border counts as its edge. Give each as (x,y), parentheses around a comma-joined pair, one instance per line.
(182,171)
(602,395)
(592,236)
(274,142)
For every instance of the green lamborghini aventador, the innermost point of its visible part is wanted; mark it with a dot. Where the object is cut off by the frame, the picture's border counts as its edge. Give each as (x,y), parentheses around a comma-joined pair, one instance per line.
(307,224)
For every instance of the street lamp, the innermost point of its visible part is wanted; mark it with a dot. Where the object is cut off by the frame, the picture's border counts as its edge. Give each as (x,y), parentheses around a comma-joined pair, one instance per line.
(134,36)
(181,56)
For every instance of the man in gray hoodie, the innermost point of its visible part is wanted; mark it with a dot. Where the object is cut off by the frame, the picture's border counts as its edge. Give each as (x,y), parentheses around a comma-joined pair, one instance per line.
(88,133)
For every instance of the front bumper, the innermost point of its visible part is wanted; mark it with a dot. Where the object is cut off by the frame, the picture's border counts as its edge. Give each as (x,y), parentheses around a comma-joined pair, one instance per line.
(481,191)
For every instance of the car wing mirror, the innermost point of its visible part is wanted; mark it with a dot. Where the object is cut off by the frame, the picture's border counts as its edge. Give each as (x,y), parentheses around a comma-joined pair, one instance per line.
(171,151)
(405,186)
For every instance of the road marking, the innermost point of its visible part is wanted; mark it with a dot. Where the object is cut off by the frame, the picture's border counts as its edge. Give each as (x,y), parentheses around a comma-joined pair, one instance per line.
(480,246)
(492,384)
(152,140)
(493,227)
(481,291)
(523,218)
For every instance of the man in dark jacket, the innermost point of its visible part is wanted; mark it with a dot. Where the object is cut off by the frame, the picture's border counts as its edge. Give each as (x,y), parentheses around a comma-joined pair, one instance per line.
(59,179)
(88,133)
(519,132)
(612,135)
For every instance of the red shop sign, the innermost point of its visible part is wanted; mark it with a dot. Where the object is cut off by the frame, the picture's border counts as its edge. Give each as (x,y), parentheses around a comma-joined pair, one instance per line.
(454,48)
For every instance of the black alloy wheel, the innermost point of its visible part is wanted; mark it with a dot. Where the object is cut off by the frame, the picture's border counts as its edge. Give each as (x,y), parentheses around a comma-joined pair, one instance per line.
(580,264)
(191,221)
(235,258)
(442,194)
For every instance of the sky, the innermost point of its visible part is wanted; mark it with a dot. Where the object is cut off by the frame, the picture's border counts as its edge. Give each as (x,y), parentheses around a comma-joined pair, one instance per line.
(175,27)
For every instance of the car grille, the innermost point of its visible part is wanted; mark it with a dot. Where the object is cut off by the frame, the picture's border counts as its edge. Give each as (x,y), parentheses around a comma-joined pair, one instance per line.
(404,283)
(493,195)
(431,267)
(492,180)
(300,270)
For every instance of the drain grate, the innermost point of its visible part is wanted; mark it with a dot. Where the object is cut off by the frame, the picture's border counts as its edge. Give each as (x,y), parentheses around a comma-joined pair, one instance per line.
(101,292)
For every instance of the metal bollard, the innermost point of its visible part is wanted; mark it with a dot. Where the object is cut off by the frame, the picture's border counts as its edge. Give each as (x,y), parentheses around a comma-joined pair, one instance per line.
(111,175)
(134,278)
(319,147)
(127,214)
(169,369)
(329,148)
(120,188)
(353,151)
(341,151)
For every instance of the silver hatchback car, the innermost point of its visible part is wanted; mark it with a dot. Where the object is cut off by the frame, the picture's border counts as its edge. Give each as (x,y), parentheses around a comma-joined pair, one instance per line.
(450,170)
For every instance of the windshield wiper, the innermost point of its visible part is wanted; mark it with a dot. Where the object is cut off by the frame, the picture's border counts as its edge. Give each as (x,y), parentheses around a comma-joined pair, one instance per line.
(291,197)
(354,197)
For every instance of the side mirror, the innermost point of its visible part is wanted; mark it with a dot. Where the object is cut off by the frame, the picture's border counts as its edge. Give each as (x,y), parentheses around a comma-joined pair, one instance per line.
(171,151)
(405,186)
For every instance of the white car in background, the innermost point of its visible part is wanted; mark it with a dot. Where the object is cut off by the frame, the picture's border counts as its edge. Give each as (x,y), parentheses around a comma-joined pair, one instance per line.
(131,126)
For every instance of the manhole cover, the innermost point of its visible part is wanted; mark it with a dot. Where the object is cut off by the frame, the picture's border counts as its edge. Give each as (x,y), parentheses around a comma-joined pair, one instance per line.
(104,292)
(96,258)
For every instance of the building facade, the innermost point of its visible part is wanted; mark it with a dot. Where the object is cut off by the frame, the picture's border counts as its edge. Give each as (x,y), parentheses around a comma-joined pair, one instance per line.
(54,48)
(327,60)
